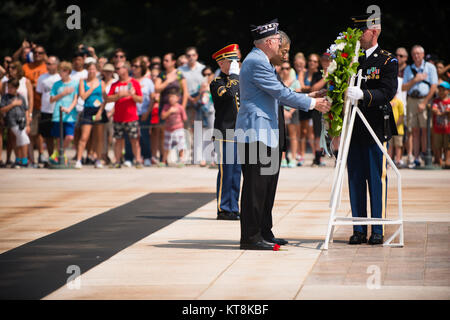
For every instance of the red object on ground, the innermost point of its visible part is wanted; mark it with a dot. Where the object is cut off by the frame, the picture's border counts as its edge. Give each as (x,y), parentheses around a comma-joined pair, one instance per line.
(276,247)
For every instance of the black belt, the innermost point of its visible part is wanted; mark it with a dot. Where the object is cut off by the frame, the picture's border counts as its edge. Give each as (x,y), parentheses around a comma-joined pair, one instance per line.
(416,95)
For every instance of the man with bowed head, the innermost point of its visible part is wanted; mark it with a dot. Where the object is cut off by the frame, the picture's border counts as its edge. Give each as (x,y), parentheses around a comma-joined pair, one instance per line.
(257,134)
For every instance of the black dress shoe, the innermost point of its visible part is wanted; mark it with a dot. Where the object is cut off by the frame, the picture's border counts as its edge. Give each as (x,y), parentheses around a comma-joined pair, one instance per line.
(227,216)
(376,238)
(259,245)
(278,241)
(358,238)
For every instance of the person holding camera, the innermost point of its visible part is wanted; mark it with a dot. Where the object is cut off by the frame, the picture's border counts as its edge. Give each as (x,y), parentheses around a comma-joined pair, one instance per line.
(14,108)
(420,81)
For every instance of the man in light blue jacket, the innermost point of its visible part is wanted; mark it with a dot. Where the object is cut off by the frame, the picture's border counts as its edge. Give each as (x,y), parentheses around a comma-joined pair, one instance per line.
(257,134)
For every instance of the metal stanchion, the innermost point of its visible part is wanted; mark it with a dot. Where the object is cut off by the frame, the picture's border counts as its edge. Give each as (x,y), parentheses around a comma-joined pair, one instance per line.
(428,158)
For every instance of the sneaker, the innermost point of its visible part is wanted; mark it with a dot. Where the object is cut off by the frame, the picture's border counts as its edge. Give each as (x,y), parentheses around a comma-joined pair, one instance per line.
(54,157)
(98,164)
(299,164)
(139,165)
(41,159)
(301,161)
(292,164)
(128,164)
(284,163)
(154,160)
(78,164)
(180,165)
(147,163)
(400,164)
(116,165)
(162,165)
(416,162)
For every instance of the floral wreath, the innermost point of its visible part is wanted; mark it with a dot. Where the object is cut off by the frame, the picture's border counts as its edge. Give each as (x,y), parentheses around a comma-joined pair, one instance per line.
(343,65)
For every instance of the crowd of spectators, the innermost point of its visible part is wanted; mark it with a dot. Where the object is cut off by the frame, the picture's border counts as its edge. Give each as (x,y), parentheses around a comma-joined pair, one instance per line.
(144,107)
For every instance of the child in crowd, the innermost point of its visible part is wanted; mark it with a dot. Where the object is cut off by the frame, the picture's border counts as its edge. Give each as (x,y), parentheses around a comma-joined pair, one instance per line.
(441,125)
(64,94)
(14,108)
(175,116)
(396,143)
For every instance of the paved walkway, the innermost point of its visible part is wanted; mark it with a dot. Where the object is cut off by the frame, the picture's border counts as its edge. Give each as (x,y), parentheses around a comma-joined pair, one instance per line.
(198,257)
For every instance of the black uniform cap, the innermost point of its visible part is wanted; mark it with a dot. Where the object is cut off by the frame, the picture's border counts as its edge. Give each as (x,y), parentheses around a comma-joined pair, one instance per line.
(367,21)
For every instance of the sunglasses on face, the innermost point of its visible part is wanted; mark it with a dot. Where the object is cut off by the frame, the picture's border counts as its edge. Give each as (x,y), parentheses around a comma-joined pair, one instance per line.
(284,68)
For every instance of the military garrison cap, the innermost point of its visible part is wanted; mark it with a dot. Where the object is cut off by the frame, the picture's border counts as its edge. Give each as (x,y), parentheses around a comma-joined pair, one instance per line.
(264,30)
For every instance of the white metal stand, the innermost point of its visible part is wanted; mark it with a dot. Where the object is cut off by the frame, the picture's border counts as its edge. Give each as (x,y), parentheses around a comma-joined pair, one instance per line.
(338,178)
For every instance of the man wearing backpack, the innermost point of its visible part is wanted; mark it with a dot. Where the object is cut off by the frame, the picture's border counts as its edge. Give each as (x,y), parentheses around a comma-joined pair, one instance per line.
(420,81)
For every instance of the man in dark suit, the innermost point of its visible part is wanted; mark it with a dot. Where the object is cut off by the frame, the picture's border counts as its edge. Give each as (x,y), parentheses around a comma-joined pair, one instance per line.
(366,163)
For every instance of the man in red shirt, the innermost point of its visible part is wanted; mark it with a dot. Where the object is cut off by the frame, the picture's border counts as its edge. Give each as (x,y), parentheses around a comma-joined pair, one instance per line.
(126,92)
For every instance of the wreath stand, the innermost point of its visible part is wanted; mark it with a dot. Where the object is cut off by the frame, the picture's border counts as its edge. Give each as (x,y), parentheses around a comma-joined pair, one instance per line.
(338,178)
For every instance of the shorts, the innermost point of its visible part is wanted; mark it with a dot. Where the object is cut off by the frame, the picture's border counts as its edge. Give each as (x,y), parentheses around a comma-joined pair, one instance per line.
(130,128)
(89,112)
(441,141)
(21,136)
(68,129)
(45,125)
(174,139)
(416,118)
(397,141)
(302,115)
(294,119)
(34,125)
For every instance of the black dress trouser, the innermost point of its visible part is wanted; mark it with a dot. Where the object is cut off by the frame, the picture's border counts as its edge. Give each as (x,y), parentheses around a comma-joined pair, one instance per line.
(258,190)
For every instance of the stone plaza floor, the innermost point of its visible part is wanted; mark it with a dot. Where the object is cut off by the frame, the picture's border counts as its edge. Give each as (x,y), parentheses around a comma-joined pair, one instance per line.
(194,256)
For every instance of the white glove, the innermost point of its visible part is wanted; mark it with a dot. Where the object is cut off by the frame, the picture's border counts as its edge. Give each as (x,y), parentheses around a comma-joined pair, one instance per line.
(354,94)
(234,67)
